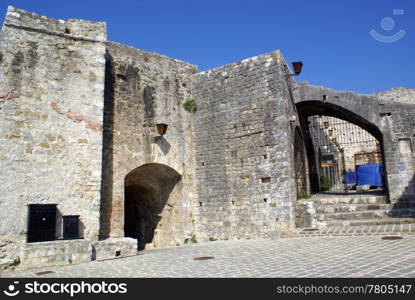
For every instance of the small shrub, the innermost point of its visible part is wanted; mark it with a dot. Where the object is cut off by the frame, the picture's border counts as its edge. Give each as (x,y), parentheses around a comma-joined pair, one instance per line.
(193,239)
(304,196)
(325,183)
(212,239)
(190,105)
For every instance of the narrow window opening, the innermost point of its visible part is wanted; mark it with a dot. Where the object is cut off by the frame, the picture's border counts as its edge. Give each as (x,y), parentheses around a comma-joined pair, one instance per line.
(265,179)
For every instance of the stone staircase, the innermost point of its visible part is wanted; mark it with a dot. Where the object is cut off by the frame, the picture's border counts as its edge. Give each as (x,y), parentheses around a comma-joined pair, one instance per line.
(355,214)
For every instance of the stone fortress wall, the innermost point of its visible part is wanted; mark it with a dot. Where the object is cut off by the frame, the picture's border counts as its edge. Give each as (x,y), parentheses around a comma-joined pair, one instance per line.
(78,116)
(51,117)
(144,89)
(244,148)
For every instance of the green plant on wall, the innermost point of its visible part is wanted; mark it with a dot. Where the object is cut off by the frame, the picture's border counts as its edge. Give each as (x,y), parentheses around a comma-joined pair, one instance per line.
(325,183)
(190,105)
(193,239)
(304,196)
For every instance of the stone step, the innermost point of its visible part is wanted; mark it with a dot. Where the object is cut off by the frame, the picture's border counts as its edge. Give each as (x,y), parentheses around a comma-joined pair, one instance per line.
(370,222)
(382,230)
(355,215)
(357,199)
(339,208)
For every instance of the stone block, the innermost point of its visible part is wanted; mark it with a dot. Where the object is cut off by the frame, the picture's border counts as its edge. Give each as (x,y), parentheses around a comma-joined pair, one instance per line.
(114,247)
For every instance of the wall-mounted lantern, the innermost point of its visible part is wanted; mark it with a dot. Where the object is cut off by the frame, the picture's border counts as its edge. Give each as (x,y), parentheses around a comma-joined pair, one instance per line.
(297,67)
(330,131)
(326,124)
(161,128)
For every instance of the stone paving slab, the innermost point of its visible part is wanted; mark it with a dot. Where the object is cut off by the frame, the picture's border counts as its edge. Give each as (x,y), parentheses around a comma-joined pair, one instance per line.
(348,256)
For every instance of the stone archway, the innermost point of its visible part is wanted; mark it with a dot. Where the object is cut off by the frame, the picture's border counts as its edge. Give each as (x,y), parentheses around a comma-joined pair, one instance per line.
(311,108)
(148,189)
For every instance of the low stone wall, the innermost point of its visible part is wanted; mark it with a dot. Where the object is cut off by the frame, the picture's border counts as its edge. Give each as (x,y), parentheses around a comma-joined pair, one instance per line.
(59,253)
(114,247)
(305,214)
(55,253)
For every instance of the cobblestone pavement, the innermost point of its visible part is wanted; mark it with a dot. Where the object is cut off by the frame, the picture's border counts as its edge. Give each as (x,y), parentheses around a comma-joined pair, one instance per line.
(348,256)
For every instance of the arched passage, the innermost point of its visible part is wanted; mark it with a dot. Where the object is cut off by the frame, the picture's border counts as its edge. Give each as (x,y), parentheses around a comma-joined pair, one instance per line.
(147,191)
(320,177)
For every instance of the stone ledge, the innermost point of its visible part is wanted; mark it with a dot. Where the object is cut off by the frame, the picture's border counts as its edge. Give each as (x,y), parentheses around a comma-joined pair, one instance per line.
(77,29)
(55,253)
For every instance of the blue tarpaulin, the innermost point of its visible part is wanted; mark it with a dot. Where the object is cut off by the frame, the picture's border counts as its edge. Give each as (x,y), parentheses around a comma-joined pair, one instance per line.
(350,177)
(369,175)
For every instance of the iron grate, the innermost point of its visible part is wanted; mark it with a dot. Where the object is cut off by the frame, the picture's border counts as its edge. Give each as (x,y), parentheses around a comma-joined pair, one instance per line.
(391,238)
(203,258)
(44,272)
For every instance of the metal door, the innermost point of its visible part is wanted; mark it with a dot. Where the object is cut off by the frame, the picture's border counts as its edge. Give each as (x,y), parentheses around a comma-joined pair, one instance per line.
(41,223)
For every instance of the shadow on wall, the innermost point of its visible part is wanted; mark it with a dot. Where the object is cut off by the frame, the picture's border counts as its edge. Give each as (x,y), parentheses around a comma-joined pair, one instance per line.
(405,207)
(147,190)
(107,147)
(163,144)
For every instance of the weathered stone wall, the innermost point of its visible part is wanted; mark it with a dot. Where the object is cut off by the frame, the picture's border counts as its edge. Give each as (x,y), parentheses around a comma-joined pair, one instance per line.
(398,121)
(78,116)
(51,108)
(143,89)
(401,94)
(244,150)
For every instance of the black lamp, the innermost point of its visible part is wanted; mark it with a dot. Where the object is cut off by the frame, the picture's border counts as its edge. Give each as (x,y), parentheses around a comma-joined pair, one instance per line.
(297,66)
(161,128)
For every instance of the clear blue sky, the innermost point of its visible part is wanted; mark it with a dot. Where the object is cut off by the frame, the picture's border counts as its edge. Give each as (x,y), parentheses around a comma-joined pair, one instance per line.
(330,37)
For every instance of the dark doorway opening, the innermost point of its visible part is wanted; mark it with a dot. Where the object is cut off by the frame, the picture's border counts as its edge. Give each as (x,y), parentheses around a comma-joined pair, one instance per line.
(147,191)
(141,213)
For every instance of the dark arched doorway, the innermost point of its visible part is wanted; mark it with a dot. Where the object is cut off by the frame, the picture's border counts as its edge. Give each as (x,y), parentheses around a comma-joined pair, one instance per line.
(339,144)
(300,163)
(147,191)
